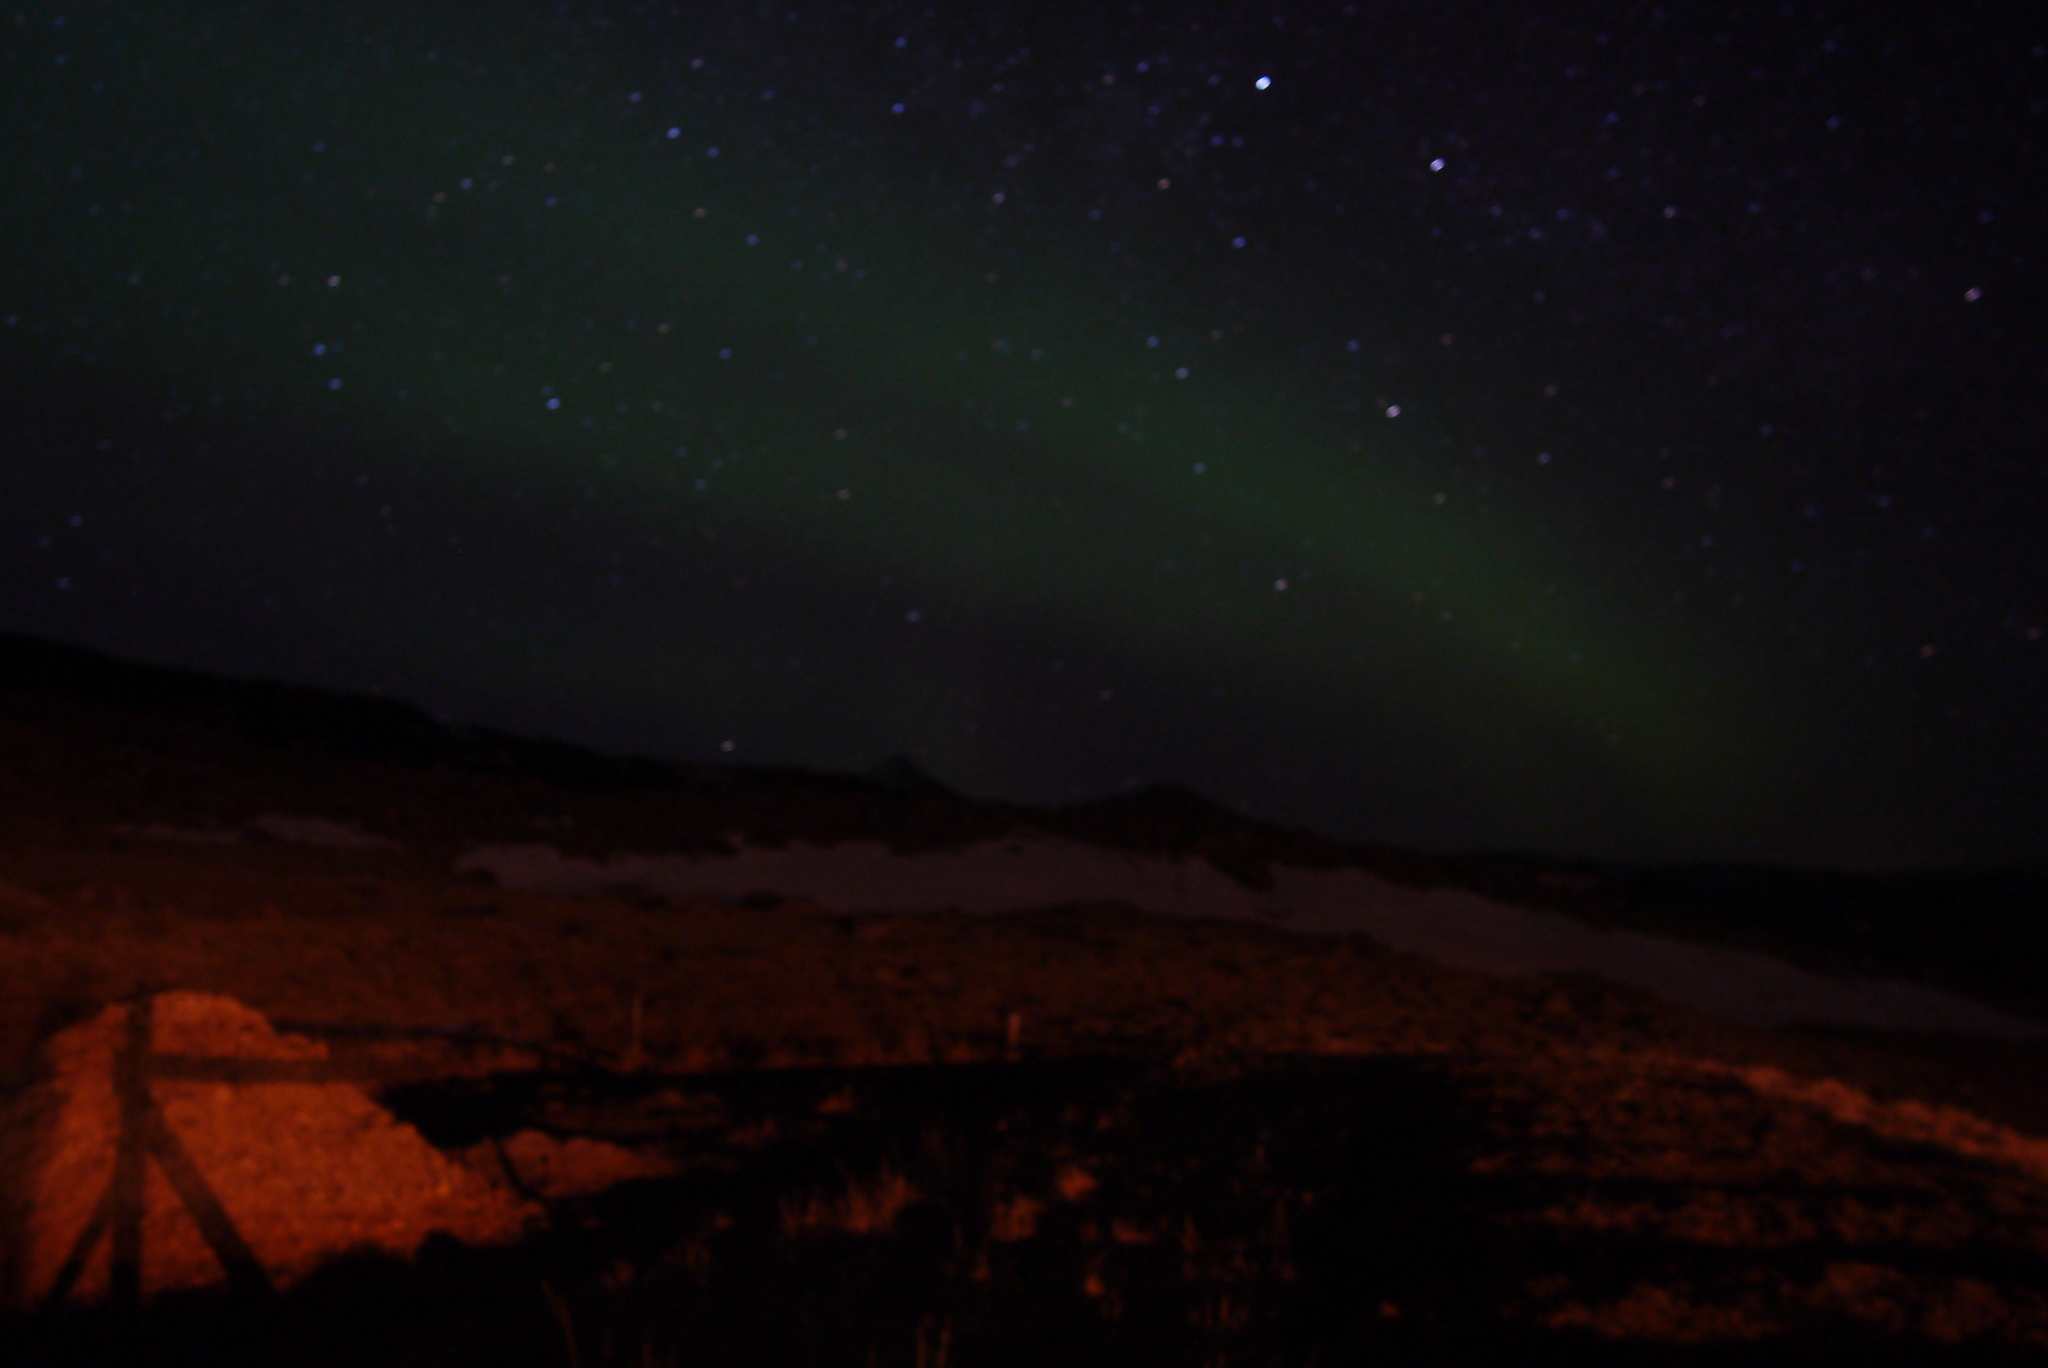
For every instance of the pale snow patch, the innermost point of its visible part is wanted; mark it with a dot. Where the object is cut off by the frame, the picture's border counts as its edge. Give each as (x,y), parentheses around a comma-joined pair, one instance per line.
(1448,925)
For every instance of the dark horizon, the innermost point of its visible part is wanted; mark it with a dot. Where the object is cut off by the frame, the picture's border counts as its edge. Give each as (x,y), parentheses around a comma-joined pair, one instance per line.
(1609,436)
(312,719)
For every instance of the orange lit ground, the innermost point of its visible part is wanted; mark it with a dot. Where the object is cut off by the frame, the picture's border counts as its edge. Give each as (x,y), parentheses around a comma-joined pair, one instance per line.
(1209,1144)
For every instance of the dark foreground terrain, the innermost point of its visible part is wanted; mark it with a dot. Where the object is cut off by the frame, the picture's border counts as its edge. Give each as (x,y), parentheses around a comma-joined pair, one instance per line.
(1070,1135)
(1081,1210)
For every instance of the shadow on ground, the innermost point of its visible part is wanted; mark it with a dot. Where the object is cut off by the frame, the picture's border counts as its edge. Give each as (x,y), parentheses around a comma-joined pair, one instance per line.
(1076,1211)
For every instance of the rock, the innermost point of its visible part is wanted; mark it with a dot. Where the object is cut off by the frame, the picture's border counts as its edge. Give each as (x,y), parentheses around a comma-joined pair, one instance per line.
(179,1141)
(549,1167)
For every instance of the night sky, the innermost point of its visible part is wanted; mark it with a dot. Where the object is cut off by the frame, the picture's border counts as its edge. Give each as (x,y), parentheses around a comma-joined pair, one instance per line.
(1604,430)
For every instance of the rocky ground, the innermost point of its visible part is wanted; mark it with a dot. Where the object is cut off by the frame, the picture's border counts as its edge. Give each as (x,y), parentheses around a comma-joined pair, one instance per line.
(1076,1133)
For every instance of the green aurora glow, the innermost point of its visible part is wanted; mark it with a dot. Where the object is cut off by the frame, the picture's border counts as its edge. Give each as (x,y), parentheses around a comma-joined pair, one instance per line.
(981,456)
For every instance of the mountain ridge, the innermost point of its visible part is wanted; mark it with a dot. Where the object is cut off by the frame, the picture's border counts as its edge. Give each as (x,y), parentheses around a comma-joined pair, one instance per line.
(1967,930)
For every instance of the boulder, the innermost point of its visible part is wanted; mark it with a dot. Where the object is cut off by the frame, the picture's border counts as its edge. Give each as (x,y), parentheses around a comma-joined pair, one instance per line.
(553,1167)
(179,1141)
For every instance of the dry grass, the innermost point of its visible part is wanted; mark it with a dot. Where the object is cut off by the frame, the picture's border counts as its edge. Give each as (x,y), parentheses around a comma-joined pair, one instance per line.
(868,1206)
